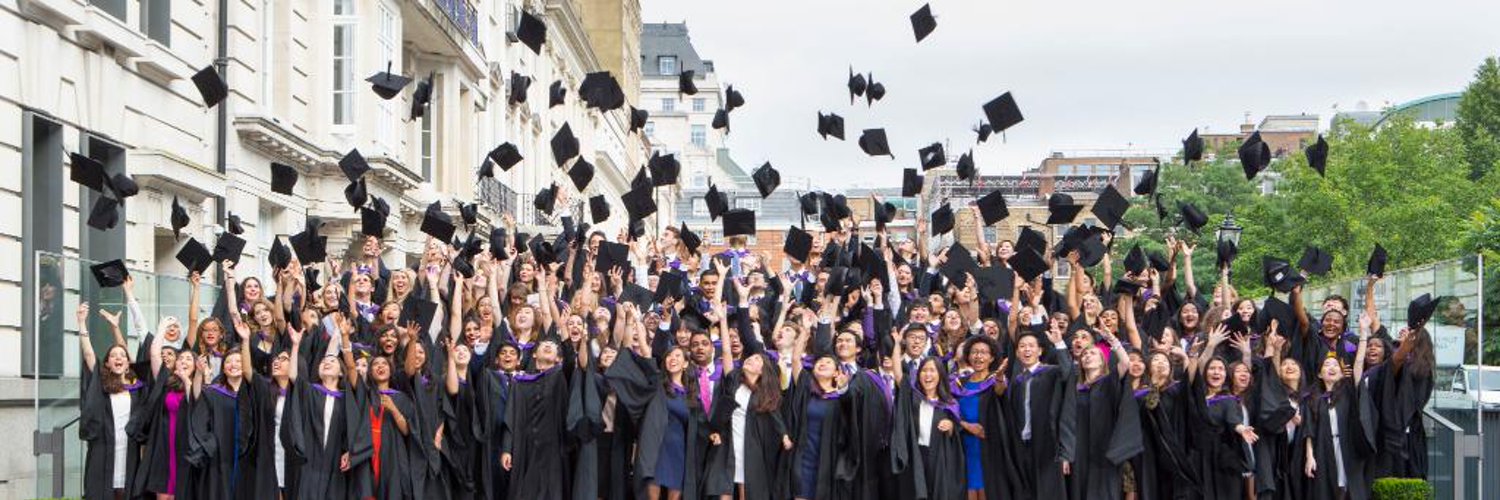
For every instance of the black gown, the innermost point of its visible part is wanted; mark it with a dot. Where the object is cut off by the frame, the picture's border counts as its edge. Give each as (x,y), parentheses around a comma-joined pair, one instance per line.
(395,454)
(638,388)
(871,400)
(934,473)
(157,453)
(1219,455)
(493,395)
(1269,412)
(461,447)
(1321,424)
(835,467)
(536,435)
(320,444)
(766,462)
(229,439)
(1161,470)
(96,426)
(1038,462)
(1108,436)
(265,392)
(1403,396)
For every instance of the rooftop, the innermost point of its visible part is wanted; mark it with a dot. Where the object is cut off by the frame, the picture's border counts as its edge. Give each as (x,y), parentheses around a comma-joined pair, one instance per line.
(670,39)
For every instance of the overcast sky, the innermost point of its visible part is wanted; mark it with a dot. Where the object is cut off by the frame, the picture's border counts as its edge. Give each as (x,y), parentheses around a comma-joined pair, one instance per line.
(1087,74)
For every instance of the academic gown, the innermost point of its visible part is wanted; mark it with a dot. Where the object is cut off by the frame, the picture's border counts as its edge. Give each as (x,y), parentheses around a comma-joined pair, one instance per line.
(157,453)
(1321,430)
(585,425)
(835,468)
(461,450)
(766,462)
(1290,452)
(536,435)
(1037,471)
(1403,396)
(493,396)
(938,473)
(1219,456)
(265,392)
(997,460)
(394,455)
(638,388)
(96,426)
(425,460)
(230,440)
(871,401)
(347,431)
(1268,408)
(1108,436)
(1162,469)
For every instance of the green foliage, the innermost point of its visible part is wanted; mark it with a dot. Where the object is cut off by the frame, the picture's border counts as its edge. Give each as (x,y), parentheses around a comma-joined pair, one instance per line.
(1479,119)
(1392,488)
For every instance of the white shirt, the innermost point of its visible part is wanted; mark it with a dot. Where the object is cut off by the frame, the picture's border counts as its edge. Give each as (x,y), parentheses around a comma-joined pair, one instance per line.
(1338,449)
(119,407)
(737,421)
(280,452)
(1291,429)
(327,417)
(1026,405)
(924,423)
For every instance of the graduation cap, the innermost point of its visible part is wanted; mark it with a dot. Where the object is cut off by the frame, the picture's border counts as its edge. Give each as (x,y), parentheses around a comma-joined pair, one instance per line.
(1315,261)
(884,212)
(179,218)
(983,132)
(669,285)
(1002,112)
(229,247)
(942,220)
(638,118)
(582,173)
(1376,265)
(740,221)
(838,205)
(437,223)
(911,183)
(838,281)
(1255,155)
(1061,209)
(966,169)
(1225,252)
(88,172)
(283,178)
(105,214)
(831,221)
(531,31)
(1125,287)
(1147,185)
(922,22)
(564,145)
(546,199)
(506,156)
(520,241)
(211,86)
(557,94)
(1158,261)
(960,263)
(685,83)
(1031,239)
(1420,310)
(992,207)
(636,228)
(721,120)
(600,90)
(353,165)
(732,98)
(809,203)
(767,179)
(1317,155)
(664,169)
(519,85)
(280,256)
(1194,218)
(1088,242)
(387,84)
(123,186)
(542,250)
(1192,147)
(1028,263)
(873,142)
(830,124)
(420,312)
(1274,308)
(421,96)
(642,180)
(875,91)
(857,85)
(371,222)
(195,256)
(464,265)
(310,276)
(611,256)
(497,244)
(355,194)
(309,246)
(599,209)
(932,156)
(1111,206)
(798,244)
(639,203)
(1135,260)
(717,202)
(110,274)
(1278,274)
(995,282)
(690,239)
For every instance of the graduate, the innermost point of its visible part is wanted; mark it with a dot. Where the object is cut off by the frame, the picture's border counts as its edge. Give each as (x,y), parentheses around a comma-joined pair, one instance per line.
(871,401)
(1108,422)
(170,460)
(1405,393)
(111,402)
(229,434)
(976,386)
(1334,462)
(1161,470)
(927,453)
(391,414)
(535,439)
(494,396)
(747,409)
(1217,431)
(330,436)
(276,473)
(1041,430)
(820,466)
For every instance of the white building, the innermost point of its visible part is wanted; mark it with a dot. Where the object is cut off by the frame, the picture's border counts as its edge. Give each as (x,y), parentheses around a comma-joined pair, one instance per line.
(109,79)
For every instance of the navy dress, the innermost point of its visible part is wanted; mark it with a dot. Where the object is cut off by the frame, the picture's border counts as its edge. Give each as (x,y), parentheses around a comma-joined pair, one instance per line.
(807,460)
(672,462)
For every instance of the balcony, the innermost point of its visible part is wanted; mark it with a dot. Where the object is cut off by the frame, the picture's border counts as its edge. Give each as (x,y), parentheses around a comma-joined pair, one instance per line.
(464,16)
(445,27)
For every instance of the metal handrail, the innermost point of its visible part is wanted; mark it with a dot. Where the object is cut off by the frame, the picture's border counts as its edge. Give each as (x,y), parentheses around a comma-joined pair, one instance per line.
(54,443)
(1460,451)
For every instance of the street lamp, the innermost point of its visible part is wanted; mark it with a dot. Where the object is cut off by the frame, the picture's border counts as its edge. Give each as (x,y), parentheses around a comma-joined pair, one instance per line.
(1229,231)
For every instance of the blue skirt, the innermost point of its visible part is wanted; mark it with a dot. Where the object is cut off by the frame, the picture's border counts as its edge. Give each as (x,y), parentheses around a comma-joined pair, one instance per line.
(671,462)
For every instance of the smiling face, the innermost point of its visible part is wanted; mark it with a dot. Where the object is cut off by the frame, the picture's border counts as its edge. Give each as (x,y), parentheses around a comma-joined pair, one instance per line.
(1290,372)
(212,331)
(825,369)
(1161,367)
(1241,377)
(172,330)
(1137,365)
(401,281)
(1332,325)
(328,367)
(116,360)
(1246,309)
(1215,374)
(1331,371)
(979,356)
(263,316)
(280,364)
(903,276)
(233,366)
(914,342)
(184,365)
(952,320)
(509,358)
(710,284)
(528,272)
(252,290)
(702,349)
(846,345)
(525,318)
(929,377)
(1188,315)
(1109,320)
(547,355)
(675,362)
(380,369)
(1028,350)
(462,355)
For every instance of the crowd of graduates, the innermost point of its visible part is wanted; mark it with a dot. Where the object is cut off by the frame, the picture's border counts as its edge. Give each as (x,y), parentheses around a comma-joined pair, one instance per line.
(858,366)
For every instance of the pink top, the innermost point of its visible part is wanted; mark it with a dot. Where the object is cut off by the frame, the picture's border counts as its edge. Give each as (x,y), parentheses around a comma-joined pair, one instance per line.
(174,403)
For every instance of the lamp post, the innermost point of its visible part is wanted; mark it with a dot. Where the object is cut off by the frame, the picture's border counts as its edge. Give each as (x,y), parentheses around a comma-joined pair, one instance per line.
(1229,232)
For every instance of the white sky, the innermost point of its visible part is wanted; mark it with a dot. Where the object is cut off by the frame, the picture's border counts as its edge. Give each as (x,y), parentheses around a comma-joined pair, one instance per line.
(1087,74)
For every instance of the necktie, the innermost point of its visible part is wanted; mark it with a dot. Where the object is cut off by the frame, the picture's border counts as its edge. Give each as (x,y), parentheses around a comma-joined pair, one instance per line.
(705,388)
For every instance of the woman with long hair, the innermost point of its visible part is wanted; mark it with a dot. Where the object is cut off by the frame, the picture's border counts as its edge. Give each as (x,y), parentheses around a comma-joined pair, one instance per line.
(331,434)
(1101,409)
(1333,461)
(1407,388)
(110,401)
(817,425)
(1161,470)
(230,408)
(1217,430)
(276,474)
(747,409)
(927,452)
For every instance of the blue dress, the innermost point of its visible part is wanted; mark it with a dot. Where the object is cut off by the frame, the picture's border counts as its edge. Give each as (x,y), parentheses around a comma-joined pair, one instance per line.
(671,462)
(807,455)
(968,410)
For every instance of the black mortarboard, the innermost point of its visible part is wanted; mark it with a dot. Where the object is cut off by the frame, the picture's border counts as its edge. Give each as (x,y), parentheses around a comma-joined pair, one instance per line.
(611,256)
(1255,154)
(520,85)
(371,222)
(911,183)
(1158,261)
(600,90)
(464,265)
(88,172)
(1194,218)
(279,255)
(1125,287)
(497,244)
(283,178)
(642,180)
(875,91)
(421,96)
(983,132)
(732,98)
(1110,207)
(1225,252)
(520,241)
(637,228)
(543,250)
(420,312)
(837,204)
(992,207)
(233,225)
(1088,242)
(310,247)
(387,84)
(960,263)
(664,169)
(639,203)
(1061,209)
(437,223)
(1315,261)
(739,221)
(599,209)
(685,83)
(884,212)
(105,214)
(229,247)
(1278,274)
(966,169)
(1420,310)
(721,120)
(564,145)
(857,85)
(830,220)
(809,202)
(110,274)
(638,118)
(1135,260)
(1317,155)
(531,31)
(194,256)
(690,239)
(922,22)
(211,86)
(1192,147)
(1376,265)
(546,199)
(354,165)
(873,142)
(1032,239)
(355,194)
(830,124)
(798,244)
(1274,308)
(767,179)
(638,295)
(1147,185)
(942,220)
(932,156)
(995,282)
(582,173)
(557,94)
(668,285)
(717,202)
(1028,263)
(123,186)
(1002,112)
(838,281)
(180,218)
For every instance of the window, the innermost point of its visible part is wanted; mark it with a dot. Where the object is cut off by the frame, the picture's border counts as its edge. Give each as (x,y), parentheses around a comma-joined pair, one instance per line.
(1064,170)
(700,207)
(267,56)
(700,136)
(699,181)
(699,104)
(343,62)
(42,179)
(156,20)
(668,105)
(115,8)
(752,204)
(389,45)
(650,129)
(429,139)
(666,65)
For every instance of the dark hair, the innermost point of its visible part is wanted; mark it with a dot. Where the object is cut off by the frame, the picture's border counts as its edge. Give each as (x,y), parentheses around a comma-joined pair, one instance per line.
(968,345)
(1415,354)
(689,381)
(1342,301)
(944,395)
(765,396)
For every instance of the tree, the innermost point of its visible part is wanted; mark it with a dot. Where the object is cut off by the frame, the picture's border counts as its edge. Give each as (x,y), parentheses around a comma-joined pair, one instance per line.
(1479,119)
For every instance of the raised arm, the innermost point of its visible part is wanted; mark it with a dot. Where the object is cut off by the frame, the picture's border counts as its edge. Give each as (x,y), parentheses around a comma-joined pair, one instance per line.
(726,357)
(85,346)
(194,280)
(455,318)
(1366,323)
(229,288)
(1302,320)
(1187,269)
(1370,311)
(1125,306)
(450,378)
(1075,269)
(114,325)
(137,320)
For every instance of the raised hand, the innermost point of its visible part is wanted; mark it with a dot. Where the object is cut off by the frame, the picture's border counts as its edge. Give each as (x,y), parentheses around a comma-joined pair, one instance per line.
(83,317)
(113,318)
